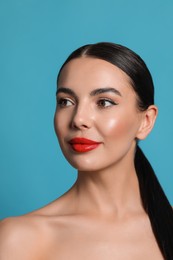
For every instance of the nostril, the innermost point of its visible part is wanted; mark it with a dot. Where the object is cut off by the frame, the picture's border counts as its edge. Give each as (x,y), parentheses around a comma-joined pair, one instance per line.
(77,125)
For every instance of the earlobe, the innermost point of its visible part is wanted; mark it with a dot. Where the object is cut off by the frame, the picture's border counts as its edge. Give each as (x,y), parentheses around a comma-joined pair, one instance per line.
(148,120)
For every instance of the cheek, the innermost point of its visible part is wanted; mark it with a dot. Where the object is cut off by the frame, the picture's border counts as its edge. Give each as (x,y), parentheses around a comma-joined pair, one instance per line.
(121,127)
(113,128)
(58,125)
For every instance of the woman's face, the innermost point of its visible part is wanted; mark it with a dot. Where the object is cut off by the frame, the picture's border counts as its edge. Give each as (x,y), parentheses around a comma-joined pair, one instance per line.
(95,101)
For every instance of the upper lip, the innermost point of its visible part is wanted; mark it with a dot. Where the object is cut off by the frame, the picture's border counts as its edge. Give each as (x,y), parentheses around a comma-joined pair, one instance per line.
(81,140)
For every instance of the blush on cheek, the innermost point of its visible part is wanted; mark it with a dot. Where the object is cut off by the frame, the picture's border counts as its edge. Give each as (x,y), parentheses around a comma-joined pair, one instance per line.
(119,127)
(113,127)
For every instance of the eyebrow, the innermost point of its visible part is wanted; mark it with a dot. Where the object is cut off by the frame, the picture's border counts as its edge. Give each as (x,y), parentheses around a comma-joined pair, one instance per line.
(66,91)
(104,90)
(93,92)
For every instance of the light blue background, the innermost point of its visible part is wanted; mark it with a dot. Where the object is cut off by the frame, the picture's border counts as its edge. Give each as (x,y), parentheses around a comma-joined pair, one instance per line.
(36,37)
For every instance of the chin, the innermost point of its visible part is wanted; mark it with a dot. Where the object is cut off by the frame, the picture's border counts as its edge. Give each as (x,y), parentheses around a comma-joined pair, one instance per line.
(83,165)
(89,167)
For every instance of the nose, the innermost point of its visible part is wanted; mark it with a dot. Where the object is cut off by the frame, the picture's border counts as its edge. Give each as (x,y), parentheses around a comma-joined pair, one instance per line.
(82,118)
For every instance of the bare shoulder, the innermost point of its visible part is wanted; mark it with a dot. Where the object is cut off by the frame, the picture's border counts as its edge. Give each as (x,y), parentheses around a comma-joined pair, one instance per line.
(21,238)
(31,236)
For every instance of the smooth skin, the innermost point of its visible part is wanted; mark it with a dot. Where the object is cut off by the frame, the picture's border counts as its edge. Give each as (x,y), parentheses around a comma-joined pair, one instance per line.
(101,216)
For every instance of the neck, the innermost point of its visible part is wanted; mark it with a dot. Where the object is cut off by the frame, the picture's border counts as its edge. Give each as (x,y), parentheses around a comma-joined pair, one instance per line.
(110,191)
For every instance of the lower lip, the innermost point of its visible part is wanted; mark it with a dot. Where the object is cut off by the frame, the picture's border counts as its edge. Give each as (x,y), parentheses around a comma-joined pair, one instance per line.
(82,148)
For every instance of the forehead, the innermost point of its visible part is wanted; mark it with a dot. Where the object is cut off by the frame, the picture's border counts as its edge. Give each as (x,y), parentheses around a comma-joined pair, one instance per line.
(89,73)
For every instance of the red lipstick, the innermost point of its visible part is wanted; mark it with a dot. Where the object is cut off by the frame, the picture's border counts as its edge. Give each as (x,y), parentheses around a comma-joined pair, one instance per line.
(82,145)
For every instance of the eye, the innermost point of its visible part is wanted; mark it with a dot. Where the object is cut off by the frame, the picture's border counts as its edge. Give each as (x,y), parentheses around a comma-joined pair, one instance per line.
(103,103)
(64,102)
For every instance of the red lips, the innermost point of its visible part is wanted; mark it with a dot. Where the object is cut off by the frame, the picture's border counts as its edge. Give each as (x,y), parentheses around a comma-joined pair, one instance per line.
(82,145)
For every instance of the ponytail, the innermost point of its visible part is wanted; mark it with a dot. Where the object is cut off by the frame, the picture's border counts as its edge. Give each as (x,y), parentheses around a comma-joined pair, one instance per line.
(155,204)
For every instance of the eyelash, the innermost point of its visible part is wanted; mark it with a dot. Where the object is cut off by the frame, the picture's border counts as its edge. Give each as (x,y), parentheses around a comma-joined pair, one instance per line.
(111,102)
(62,102)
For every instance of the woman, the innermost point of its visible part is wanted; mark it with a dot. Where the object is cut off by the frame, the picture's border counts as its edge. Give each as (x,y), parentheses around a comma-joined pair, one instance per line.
(116,209)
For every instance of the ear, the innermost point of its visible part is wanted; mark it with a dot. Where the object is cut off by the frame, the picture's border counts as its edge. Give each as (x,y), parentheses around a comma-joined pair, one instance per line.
(147,123)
